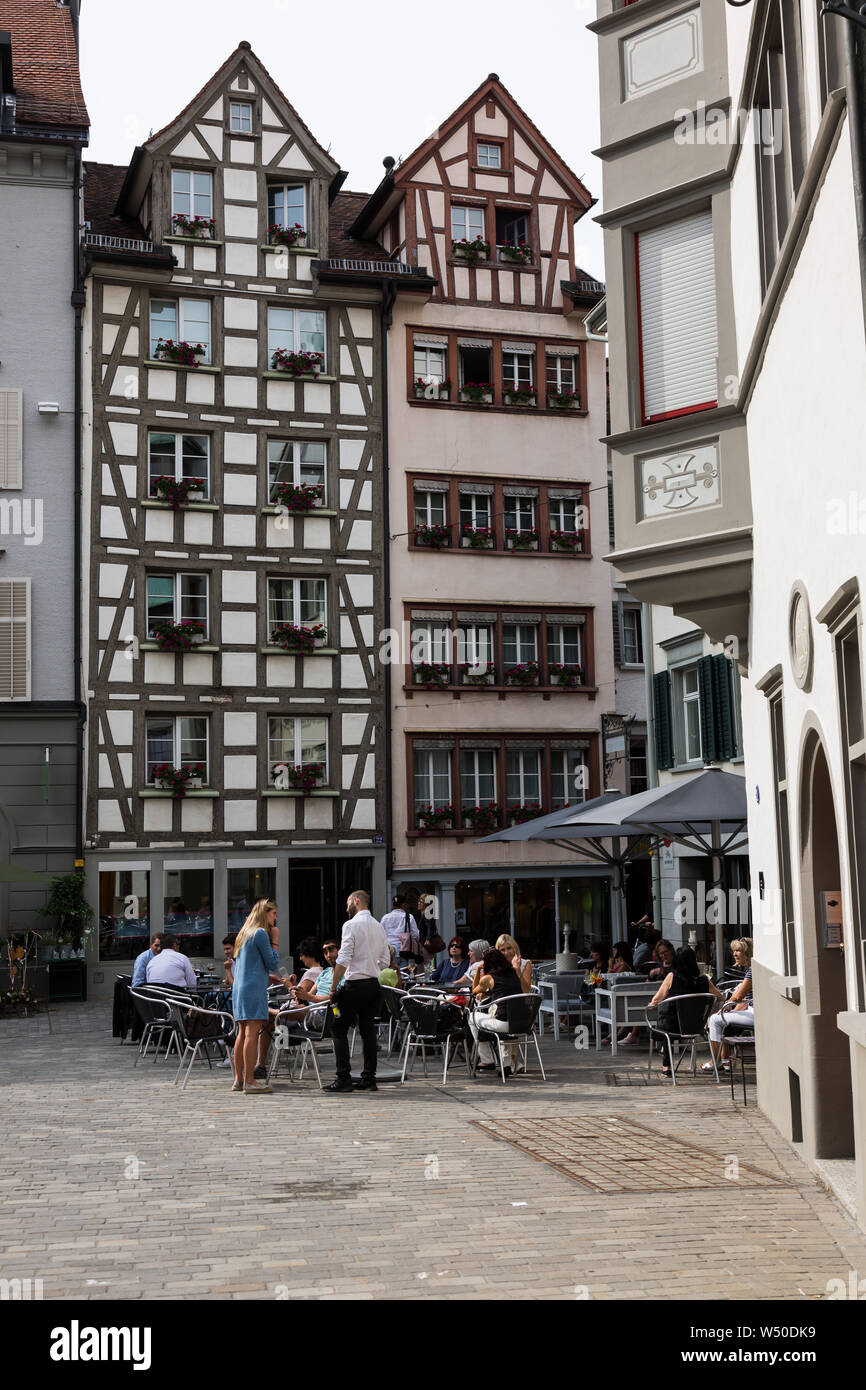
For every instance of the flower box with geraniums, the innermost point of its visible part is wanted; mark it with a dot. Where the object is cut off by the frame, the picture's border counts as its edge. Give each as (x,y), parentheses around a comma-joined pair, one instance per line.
(431,673)
(521,540)
(569,541)
(286,236)
(301,641)
(181,354)
(201,228)
(297,363)
(177,637)
(519,395)
(566,673)
(432,389)
(563,400)
(433,537)
(175,491)
(481,820)
(477,537)
(178,780)
(477,392)
(517,252)
(478,673)
(300,777)
(476,250)
(303,498)
(525,673)
(519,815)
(432,818)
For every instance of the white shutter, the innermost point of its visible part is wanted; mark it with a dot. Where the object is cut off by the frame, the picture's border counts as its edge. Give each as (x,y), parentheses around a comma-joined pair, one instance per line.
(679,345)
(10,439)
(14,639)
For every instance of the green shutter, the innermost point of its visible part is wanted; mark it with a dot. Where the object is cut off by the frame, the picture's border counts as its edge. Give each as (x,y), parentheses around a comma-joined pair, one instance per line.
(662,711)
(724,707)
(617,642)
(707,702)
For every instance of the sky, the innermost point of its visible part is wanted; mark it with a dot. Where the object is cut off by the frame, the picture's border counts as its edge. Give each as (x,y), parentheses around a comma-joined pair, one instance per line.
(369,80)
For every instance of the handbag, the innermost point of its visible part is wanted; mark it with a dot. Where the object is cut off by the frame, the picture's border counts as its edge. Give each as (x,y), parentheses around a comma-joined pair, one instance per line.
(434,944)
(409,944)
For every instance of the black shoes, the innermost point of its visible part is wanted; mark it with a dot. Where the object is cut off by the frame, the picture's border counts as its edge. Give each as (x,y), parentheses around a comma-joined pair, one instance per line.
(260,1073)
(365,1085)
(337,1086)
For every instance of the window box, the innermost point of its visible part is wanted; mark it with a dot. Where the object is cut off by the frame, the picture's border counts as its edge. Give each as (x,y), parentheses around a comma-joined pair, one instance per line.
(521,540)
(300,777)
(287,237)
(196,228)
(477,537)
(567,674)
(304,497)
(569,541)
(525,673)
(520,396)
(431,673)
(432,390)
(481,820)
(519,815)
(477,250)
(478,673)
(563,400)
(429,819)
(290,637)
(180,354)
(519,253)
(434,537)
(177,637)
(175,491)
(477,392)
(297,363)
(178,779)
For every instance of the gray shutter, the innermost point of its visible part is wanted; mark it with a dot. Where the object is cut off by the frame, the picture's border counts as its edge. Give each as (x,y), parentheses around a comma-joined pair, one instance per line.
(662,712)
(14,639)
(617,640)
(10,439)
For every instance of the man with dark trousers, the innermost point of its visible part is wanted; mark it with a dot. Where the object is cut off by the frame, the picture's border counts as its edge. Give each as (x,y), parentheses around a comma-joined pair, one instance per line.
(363,953)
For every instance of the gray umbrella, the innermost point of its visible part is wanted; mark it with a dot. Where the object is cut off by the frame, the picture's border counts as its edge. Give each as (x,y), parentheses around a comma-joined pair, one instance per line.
(705,812)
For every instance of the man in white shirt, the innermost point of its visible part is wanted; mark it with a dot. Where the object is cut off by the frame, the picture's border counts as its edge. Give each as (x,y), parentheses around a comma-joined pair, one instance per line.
(170,967)
(363,953)
(397,923)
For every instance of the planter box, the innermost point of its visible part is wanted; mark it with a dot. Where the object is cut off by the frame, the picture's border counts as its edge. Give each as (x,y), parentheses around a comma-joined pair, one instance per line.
(486,399)
(512,398)
(518,546)
(434,393)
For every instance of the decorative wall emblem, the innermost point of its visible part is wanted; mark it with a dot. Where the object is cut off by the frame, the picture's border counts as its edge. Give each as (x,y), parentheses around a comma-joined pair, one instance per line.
(665,53)
(677,482)
(800,637)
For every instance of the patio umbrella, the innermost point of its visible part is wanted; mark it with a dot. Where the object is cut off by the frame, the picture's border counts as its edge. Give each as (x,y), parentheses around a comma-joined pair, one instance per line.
(704,812)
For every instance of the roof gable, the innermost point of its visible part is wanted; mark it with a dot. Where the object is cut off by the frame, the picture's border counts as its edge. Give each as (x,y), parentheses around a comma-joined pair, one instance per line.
(44,64)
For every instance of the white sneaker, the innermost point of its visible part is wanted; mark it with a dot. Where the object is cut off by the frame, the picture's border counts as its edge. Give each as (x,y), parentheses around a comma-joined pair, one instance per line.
(226,1063)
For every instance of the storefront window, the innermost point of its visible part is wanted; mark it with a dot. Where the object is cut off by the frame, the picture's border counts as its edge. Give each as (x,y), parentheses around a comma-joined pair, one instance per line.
(482,909)
(535,918)
(584,908)
(245,887)
(124,913)
(188,909)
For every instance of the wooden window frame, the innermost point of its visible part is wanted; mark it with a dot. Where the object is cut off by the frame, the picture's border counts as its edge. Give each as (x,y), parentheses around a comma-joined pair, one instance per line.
(176,576)
(296,738)
(497,509)
(538,344)
(175,719)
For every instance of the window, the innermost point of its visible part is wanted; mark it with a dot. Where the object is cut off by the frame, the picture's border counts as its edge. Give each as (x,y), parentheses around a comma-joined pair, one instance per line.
(519,513)
(522,778)
(296,330)
(511,228)
(429,362)
(179,456)
(240,117)
(180,741)
(490,156)
(432,778)
(638,780)
(474,359)
(568,777)
(302,602)
(779,111)
(783,841)
(181,321)
(563,644)
(467,224)
(518,370)
(297,742)
(14,639)
(430,507)
(10,438)
(177,598)
(287,205)
(431,642)
(477,777)
(475,510)
(560,374)
(475,645)
(519,643)
(677,324)
(687,714)
(247,886)
(850,695)
(298,463)
(564,514)
(188,909)
(191,193)
(124,913)
(632,637)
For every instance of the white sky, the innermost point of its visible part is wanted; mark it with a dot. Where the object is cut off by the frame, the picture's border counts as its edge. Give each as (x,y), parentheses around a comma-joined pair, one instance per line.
(368,79)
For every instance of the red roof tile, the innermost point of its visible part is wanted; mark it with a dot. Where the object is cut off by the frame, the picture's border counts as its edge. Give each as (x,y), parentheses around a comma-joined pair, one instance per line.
(44,64)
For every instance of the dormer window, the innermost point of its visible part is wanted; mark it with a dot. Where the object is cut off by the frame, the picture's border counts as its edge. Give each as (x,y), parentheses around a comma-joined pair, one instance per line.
(240,117)
(490,156)
(191,194)
(287,205)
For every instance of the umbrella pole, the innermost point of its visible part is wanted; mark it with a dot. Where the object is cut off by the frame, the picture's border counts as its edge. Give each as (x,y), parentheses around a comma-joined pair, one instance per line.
(717,883)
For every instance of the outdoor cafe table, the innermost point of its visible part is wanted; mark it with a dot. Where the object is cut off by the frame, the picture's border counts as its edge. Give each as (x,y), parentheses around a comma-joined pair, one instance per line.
(621,1006)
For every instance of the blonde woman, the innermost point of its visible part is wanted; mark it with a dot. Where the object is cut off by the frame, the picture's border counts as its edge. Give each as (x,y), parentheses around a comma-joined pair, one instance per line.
(743,1011)
(255,956)
(522,968)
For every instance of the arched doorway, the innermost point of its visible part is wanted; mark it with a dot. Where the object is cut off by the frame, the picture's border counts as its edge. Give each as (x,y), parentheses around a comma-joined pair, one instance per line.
(825,992)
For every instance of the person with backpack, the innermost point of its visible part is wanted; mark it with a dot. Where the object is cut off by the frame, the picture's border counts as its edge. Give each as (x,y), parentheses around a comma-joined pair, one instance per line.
(401,929)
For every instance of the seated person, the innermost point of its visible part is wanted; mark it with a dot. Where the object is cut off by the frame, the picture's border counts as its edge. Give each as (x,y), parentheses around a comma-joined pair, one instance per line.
(391,974)
(684,978)
(228,944)
(522,968)
(142,961)
(170,967)
(664,960)
(496,980)
(456,965)
(477,951)
(620,960)
(743,1011)
(312,958)
(647,941)
(598,968)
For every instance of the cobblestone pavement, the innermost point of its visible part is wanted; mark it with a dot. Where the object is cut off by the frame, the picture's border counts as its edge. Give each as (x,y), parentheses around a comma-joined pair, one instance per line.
(396,1194)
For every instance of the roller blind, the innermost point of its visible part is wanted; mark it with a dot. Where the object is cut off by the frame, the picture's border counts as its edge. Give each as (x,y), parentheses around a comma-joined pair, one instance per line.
(679,344)
(14,639)
(10,439)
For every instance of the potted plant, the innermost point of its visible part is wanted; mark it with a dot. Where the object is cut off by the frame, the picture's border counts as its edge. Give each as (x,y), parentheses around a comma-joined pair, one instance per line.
(482,820)
(521,540)
(519,815)
(175,491)
(286,236)
(569,541)
(520,395)
(434,817)
(431,673)
(432,389)
(476,250)
(177,637)
(524,673)
(566,673)
(477,673)
(563,400)
(302,640)
(301,777)
(516,251)
(302,498)
(478,392)
(183,354)
(202,228)
(297,363)
(68,904)
(433,537)
(178,779)
(477,537)
(22,1002)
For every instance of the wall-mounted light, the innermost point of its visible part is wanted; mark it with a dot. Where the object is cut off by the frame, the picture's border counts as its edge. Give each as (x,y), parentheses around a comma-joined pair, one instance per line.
(48,407)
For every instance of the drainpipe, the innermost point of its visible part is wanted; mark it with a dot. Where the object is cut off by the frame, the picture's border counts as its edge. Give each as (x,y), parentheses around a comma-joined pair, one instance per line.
(78,300)
(389,294)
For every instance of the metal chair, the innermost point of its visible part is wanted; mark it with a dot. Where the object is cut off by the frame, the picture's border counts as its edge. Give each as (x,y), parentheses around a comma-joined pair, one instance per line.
(158,1027)
(737,1038)
(288,1039)
(424,1029)
(318,1024)
(692,1012)
(184,1017)
(565,998)
(392,999)
(521,1013)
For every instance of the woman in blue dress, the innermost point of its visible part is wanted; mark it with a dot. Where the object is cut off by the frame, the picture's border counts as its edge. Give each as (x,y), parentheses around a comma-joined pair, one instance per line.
(255,957)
